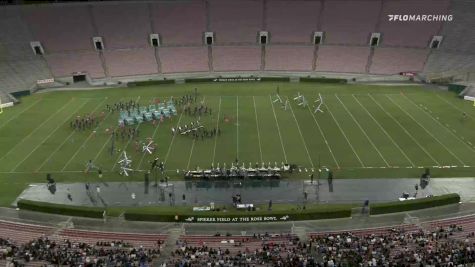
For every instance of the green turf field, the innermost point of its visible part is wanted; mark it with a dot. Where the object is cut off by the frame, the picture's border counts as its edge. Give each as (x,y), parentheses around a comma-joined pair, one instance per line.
(365,131)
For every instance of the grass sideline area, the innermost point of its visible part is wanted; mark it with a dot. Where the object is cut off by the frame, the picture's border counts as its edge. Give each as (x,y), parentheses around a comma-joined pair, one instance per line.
(167,213)
(365,131)
(416,204)
(68,210)
(278,213)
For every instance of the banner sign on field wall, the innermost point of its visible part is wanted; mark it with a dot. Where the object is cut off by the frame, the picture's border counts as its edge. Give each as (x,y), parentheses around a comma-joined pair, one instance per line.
(45,81)
(237,219)
(239,79)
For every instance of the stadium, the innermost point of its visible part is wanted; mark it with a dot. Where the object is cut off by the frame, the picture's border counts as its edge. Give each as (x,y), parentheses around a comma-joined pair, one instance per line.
(237,133)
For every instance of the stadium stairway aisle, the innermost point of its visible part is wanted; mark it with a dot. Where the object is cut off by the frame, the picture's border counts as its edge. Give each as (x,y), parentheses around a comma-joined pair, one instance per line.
(170,244)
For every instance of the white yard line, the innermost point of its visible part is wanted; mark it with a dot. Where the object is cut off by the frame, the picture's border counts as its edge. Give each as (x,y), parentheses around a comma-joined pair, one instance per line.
(427,131)
(217,127)
(344,135)
(194,141)
(278,130)
(362,130)
(36,129)
(438,122)
(454,106)
(324,138)
(128,142)
(84,143)
(301,135)
(49,135)
(173,138)
(65,140)
(100,150)
(237,127)
(257,127)
(23,111)
(384,131)
(404,129)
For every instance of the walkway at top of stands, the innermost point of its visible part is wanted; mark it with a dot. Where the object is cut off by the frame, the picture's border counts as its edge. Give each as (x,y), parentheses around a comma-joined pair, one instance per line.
(354,223)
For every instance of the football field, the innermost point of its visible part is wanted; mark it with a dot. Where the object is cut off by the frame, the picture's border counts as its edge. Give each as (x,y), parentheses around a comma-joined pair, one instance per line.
(363,131)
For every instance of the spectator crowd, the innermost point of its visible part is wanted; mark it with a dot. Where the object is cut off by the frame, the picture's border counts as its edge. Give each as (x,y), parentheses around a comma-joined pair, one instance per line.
(444,246)
(450,245)
(67,253)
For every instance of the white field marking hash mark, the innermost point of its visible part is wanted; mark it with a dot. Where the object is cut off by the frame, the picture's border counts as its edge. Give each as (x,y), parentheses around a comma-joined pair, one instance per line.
(36,129)
(23,111)
(385,132)
(428,132)
(65,140)
(404,129)
(301,136)
(278,129)
(217,128)
(324,138)
(446,125)
(344,135)
(362,130)
(49,135)
(257,126)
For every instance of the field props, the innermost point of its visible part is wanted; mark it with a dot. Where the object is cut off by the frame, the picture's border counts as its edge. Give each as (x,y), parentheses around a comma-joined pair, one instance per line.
(277,99)
(301,100)
(319,103)
(125,164)
(148,147)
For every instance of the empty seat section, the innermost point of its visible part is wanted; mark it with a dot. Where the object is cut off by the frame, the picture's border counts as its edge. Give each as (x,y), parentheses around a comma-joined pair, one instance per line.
(442,61)
(131,62)
(179,23)
(459,34)
(342,58)
(123,25)
(183,59)
(292,21)
(291,58)
(235,21)
(15,37)
(411,33)
(395,60)
(350,22)
(65,64)
(238,58)
(61,28)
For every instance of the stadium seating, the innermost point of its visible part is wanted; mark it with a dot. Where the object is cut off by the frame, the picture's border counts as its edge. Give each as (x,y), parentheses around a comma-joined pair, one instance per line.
(91,237)
(446,61)
(23,233)
(396,60)
(65,64)
(291,58)
(350,22)
(61,27)
(342,59)
(179,23)
(414,33)
(19,67)
(65,31)
(183,59)
(235,21)
(128,62)
(292,21)
(122,25)
(22,74)
(458,34)
(14,35)
(236,58)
